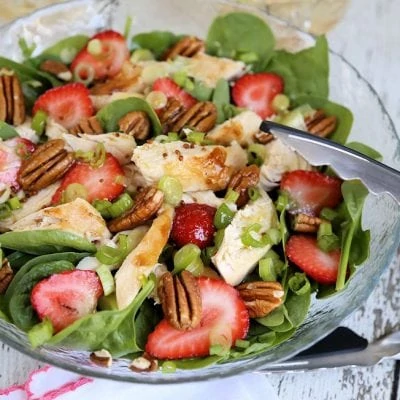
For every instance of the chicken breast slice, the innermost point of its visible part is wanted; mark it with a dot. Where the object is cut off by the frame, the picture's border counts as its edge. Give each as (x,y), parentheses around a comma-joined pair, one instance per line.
(241,128)
(120,145)
(233,259)
(143,259)
(196,167)
(204,197)
(78,217)
(280,159)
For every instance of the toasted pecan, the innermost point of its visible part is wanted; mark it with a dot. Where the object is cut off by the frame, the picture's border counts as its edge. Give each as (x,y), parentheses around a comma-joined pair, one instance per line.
(6,275)
(263,137)
(201,117)
(147,203)
(320,124)
(261,297)
(170,114)
(48,163)
(89,125)
(306,223)
(180,300)
(12,101)
(144,363)
(136,124)
(242,180)
(57,68)
(188,46)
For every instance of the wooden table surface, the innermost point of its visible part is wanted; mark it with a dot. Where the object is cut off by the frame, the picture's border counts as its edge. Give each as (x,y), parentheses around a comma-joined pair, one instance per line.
(369,38)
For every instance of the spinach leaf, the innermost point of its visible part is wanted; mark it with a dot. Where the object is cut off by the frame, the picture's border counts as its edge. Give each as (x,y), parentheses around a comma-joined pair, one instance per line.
(241,36)
(297,306)
(353,238)
(343,115)
(221,97)
(21,311)
(3,309)
(115,331)
(7,131)
(200,91)
(45,241)
(73,258)
(305,72)
(197,363)
(366,150)
(145,322)
(18,259)
(64,50)
(155,41)
(113,112)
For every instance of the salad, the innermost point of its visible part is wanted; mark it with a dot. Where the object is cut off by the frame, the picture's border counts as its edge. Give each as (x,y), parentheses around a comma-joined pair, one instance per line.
(144,214)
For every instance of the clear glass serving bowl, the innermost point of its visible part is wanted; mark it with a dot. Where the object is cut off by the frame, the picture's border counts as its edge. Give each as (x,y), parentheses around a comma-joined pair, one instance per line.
(372,126)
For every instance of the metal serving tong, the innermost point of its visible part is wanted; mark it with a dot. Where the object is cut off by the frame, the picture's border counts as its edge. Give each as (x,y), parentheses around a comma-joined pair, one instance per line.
(347,163)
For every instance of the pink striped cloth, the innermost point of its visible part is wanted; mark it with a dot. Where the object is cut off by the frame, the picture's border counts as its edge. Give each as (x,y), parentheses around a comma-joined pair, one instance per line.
(50,383)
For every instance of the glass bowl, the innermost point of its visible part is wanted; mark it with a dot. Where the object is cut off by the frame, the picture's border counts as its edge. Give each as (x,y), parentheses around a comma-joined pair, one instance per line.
(372,126)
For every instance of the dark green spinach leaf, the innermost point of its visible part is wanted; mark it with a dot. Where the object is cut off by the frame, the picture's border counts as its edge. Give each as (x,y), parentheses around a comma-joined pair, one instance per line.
(366,150)
(156,41)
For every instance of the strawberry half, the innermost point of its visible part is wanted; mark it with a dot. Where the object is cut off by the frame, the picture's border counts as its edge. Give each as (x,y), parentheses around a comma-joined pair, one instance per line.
(310,191)
(12,152)
(256,92)
(101,183)
(223,312)
(171,89)
(303,251)
(66,297)
(66,104)
(193,223)
(107,63)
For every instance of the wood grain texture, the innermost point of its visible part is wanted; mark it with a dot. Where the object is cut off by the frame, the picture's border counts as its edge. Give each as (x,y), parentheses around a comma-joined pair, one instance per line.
(368,38)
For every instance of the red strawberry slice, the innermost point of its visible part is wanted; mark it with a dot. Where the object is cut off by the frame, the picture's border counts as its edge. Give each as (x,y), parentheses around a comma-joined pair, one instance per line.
(303,251)
(224,320)
(12,152)
(66,297)
(66,104)
(310,191)
(113,52)
(101,183)
(171,89)
(256,92)
(193,223)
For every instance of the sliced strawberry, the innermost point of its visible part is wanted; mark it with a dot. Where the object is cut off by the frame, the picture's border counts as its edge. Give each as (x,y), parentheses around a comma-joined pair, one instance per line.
(101,183)
(223,313)
(66,104)
(303,251)
(256,92)
(171,89)
(12,152)
(193,223)
(66,297)
(108,62)
(310,191)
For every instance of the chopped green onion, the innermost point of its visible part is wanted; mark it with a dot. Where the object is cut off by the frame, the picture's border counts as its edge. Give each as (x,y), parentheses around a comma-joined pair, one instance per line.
(272,254)
(121,205)
(172,189)
(218,350)
(256,154)
(99,156)
(266,270)
(171,137)
(141,55)
(282,202)
(180,78)
(188,258)
(242,344)
(14,203)
(168,367)
(328,214)
(106,279)
(249,58)
(231,196)
(327,240)
(39,121)
(223,216)
(102,206)
(74,191)
(280,103)
(189,85)
(127,27)
(195,137)
(5,211)
(108,255)
(299,284)
(84,73)
(85,156)
(94,47)
(253,193)
(274,235)
(251,238)
(40,333)
(219,237)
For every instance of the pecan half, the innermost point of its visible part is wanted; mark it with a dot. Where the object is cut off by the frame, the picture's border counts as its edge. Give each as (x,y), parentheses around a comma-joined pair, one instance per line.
(242,180)
(6,275)
(188,46)
(87,125)
(261,297)
(306,223)
(320,124)
(101,358)
(180,300)
(170,114)
(57,68)
(12,101)
(136,124)
(263,137)
(201,117)
(48,163)
(144,363)
(147,203)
